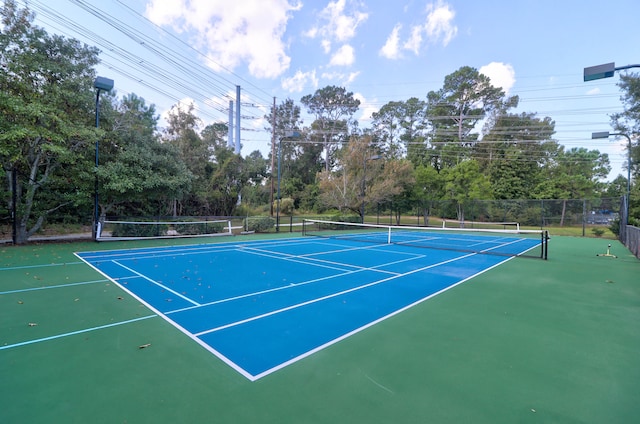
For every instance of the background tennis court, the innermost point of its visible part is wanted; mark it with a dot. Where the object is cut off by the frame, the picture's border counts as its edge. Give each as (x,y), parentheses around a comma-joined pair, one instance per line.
(528,341)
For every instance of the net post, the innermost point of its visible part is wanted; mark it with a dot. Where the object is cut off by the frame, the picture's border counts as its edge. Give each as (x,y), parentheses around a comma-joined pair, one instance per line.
(545,244)
(389,236)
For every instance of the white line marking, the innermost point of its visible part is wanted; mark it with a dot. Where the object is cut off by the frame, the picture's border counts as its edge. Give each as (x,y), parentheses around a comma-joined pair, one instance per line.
(59,286)
(319,299)
(73,333)
(157,284)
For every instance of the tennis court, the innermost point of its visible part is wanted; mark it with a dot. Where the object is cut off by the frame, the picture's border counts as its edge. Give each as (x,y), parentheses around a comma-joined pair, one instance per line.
(262,305)
(320,330)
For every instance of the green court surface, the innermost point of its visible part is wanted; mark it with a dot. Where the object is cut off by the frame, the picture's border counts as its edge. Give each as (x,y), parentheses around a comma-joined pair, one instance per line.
(530,341)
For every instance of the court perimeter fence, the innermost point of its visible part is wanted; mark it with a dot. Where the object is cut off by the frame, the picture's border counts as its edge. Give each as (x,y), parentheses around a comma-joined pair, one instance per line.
(589,215)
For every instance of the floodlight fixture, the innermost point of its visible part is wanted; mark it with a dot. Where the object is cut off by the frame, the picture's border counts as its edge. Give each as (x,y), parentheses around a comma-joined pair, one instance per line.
(102,83)
(604,71)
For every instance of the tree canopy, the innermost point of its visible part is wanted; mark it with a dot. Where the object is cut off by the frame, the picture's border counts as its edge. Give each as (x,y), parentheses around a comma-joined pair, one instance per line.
(460,143)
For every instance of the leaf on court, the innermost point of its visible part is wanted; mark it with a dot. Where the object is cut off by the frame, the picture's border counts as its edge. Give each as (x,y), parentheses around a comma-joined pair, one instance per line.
(32,324)
(20,302)
(610,281)
(144,346)
(119,297)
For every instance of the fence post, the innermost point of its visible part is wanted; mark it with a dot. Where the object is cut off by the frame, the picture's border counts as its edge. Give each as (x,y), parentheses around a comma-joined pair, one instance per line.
(14,198)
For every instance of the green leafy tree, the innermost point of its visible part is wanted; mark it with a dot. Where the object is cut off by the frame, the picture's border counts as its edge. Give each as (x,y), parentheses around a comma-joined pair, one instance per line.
(400,125)
(454,111)
(333,108)
(138,175)
(628,122)
(464,183)
(362,177)
(428,188)
(46,107)
(514,152)
(574,174)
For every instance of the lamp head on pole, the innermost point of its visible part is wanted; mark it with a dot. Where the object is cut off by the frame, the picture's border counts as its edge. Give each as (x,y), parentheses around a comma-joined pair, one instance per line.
(600,134)
(599,71)
(102,83)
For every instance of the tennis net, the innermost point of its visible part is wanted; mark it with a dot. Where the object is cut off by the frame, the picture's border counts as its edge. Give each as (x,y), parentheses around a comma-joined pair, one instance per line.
(134,230)
(528,243)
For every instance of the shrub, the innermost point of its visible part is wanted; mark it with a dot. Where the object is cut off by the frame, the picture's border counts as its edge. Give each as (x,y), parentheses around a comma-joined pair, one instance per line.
(259,224)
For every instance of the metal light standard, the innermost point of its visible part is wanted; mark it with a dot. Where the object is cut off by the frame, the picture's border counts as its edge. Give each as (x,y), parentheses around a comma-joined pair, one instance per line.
(100,84)
(364,179)
(607,134)
(290,135)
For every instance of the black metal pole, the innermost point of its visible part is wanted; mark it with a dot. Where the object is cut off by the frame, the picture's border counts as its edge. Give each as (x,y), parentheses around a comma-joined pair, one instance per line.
(14,199)
(96,212)
(278,200)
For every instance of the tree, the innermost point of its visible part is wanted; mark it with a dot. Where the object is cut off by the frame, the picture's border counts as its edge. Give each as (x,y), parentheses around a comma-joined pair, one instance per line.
(46,106)
(300,161)
(362,177)
(514,152)
(628,122)
(333,108)
(574,174)
(138,174)
(400,126)
(429,187)
(464,183)
(454,111)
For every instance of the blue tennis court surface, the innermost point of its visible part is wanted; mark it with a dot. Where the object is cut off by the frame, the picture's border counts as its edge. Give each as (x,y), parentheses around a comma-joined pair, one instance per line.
(262,305)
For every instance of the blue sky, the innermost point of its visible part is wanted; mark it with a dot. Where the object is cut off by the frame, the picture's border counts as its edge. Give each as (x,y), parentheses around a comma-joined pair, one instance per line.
(171,51)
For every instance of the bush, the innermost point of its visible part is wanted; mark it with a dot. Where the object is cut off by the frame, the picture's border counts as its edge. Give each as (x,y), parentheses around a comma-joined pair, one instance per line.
(139,230)
(598,232)
(259,224)
(199,228)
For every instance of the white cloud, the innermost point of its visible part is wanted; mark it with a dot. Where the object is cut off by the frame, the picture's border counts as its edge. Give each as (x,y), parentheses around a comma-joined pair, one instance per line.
(414,42)
(367,108)
(344,56)
(344,79)
(439,25)
(501,74)
(231,33)
(299,81)
(338,22)
(438,28)
(391,49)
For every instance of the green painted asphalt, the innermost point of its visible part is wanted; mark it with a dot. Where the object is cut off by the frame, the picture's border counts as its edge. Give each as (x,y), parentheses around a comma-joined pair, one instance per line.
(530,341)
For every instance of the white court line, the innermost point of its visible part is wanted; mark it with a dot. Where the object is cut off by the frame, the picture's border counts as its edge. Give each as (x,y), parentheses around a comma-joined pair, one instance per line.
(59,286)
(319,299)
(73,333)
(156,283)
(291,286)
(13,268)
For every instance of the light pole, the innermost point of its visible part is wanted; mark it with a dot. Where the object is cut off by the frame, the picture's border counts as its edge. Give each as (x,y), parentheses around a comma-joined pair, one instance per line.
(287,134)
(364,179)
(100,84)
(607,134)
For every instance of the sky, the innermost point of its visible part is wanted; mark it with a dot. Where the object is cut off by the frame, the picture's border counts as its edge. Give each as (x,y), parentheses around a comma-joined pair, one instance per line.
(197,51)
